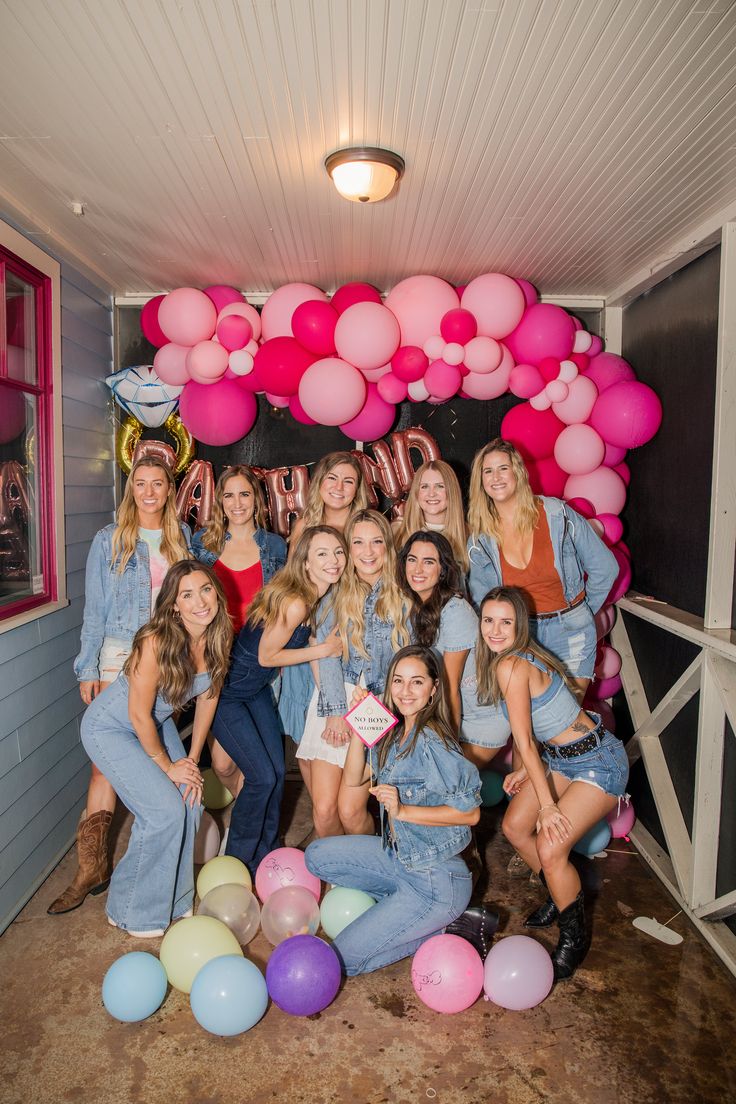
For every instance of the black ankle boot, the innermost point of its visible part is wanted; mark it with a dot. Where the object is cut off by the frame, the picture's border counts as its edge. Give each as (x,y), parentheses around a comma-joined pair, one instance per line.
(477,925)
(545,914)
(573,941)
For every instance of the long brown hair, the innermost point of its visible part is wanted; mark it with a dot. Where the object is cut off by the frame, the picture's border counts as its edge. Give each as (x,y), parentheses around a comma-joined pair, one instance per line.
(291,582)
(483,516)
(125,534)
(413,518)
(314,511)
(214,535)
(425,616)
(172,642)
(435,714)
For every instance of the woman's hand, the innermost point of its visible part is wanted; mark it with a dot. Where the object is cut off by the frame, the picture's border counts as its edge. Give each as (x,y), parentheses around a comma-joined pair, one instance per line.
(89,690)
(359,695)
(514,780)
(185,772)
(389,798)
(555,825)
(337,732)
(331,647)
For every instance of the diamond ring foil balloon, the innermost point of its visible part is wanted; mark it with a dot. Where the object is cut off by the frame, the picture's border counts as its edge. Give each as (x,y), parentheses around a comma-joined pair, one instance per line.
(140,392)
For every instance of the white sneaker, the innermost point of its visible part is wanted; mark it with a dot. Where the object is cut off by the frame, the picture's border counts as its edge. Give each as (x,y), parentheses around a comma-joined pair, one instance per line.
(155,933)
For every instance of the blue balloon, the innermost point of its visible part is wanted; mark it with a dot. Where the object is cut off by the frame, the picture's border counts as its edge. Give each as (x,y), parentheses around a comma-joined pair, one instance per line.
(229,995)
(595,839)
(134,987)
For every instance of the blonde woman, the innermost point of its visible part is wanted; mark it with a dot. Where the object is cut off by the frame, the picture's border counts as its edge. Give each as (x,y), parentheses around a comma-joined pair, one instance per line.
(126,567)
(371,614)
(435,504)
(182,653)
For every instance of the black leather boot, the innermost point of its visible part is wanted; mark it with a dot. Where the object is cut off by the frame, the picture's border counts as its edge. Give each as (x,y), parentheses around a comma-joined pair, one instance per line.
(477,925)
(573,942)
(545,914)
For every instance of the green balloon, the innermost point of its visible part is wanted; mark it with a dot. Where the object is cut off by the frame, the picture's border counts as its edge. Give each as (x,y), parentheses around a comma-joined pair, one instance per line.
(491,788)
(340,907)
(214,794)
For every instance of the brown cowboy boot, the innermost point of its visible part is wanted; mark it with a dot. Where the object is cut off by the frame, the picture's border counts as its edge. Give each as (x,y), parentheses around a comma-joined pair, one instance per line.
(93,873)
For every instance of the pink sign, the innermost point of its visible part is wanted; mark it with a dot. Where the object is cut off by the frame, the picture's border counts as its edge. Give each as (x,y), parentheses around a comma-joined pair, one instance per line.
(370,720)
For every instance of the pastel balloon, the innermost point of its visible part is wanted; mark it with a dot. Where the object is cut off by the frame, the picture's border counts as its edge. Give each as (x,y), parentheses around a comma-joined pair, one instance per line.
(222,870)
(391,388)
(149,322)
(542,401)
(289,911)
(217,414)
(234,332)
(488,385)
(568,371)
(453,353)
(207,362)
(579,449)
(627,414)
(603,487)
(332,391)
(229,995)
(207,840)
(531,295)
(442,380)
(459,325)
(235,905)
(280,364)
(583,341)
(518,973)
(483,354)
(409,363)
(605,369)
(192,942)
(545,330)
(447,973)
(417,392)
(222,295)
(214,794)
(349,294)
(340,906)
(557,392)
(314,324)
(622,819)
(534,432)
(375,418)
(367,335)
(298,412)
(281,402)
(134,987)
(187,316)
(525,381)
(613,528)
(170,364)
(420,303)
(239,363)
(497,302)
(595,839)
(280,306)
(547,477)
(284,867)
(303,975)
(434,346)
(577,405)
(243,310)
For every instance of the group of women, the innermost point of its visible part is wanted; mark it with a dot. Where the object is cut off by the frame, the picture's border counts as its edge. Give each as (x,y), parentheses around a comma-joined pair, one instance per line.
(468,631)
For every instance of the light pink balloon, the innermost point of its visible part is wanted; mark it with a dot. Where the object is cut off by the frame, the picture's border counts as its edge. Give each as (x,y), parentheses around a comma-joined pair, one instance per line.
(244,310)
(373,375)
(374,420)
(605,369)
(557,392)
(219,414)
(442,380)
(417,392)
(447,973)
(453,353)
(518,973)
(627,414)
(603,487)
(434,346)
(207,362)
(392,389)
(483,354)
(222,295)
(240,363)
(281,304)
(497,302)
(579,450)
(420,303)
(525,381)
(207,840)
(489,385)
(332,391)
(170,363)
(583,341)
(367,335)
(279,401)
(581,398)
(187,316)
(284,867)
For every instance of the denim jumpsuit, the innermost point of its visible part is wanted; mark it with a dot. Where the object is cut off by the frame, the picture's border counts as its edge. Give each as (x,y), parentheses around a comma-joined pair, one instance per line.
(413,870)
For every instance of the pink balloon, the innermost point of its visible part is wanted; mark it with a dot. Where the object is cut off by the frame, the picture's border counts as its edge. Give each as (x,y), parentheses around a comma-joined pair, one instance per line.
(497,302)
(614,455)
(217,414)
(518,973)
(534,432)
(582,506)
(604,710)
(280,306)
(207,840)
(483,354)
(459,325)
(284,867)
(332,391)
(234,332)
(391,388)
(207,362)
(170,364)
(549,368)
(243,310)
(605,369)
(373,375)
(12,414)
(547,477)
(525,381)
(579,449)
(314,324)
(442,380)
(453,353)
(604,621)
(623,579)
(367,335)
(545,330)
(557,392)
(488,385)
(239,364)
(420,303)
(605,688)
(187,316)
(280,364)
(531,295)
(299,413)
(149,322)
(349,294)
(279,401)
(447,973)
(609,664)
(624,471)
(374,420)
(596,346)
(417,392)
(581,398)
(627,414)
(581,361)
(222,295)
(613,528)
(409,363)
(622,819)
(603,487)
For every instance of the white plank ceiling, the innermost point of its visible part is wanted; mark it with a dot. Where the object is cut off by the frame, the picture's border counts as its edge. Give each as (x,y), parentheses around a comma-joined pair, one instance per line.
(567,141)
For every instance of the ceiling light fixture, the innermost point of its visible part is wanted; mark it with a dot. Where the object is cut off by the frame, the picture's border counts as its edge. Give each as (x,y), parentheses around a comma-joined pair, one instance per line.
(364,174)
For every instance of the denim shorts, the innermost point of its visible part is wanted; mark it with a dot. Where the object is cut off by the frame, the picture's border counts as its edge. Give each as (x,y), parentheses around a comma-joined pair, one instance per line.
(570,636)
(606,766)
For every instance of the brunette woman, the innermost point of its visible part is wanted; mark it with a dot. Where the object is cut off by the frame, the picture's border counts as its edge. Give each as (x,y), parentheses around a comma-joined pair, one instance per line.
(435,504)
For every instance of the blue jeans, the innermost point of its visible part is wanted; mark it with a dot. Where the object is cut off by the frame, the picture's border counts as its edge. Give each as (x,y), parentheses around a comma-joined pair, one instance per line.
(569,635)
(250,733)
(153,883)
(412,905)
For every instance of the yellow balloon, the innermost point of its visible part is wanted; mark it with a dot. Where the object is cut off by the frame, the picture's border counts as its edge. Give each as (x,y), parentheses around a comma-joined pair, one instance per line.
(214,795)
(191,943)
(223,870)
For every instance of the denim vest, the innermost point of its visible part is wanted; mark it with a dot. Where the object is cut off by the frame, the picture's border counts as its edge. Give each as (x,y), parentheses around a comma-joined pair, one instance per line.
(271,548)
(554,709)
(578,552)
(431,774)
(116,604)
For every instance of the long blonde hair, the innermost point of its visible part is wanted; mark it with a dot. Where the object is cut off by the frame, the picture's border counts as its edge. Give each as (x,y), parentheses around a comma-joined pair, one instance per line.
(314,511)
(486,661)
(454,528)
(172,642)
(291,582)
(435,714)
(483,518)
(125,534)
(214,535)
(351,592)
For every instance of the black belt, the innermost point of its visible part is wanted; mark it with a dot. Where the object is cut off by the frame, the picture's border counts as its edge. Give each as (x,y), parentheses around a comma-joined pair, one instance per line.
(557,613)
(577,747)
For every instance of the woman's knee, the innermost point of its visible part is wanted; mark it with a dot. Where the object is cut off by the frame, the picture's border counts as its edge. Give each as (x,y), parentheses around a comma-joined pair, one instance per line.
(222,763)
(352,813)
(550,853)
(515,828)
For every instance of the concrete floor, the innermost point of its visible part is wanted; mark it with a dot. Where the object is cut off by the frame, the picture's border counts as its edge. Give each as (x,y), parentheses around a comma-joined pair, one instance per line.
(640,1023)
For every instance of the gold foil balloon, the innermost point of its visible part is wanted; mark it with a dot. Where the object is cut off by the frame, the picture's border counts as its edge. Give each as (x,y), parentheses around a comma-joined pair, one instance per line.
(126,439)
(185,444)
(195,497)
(129,447)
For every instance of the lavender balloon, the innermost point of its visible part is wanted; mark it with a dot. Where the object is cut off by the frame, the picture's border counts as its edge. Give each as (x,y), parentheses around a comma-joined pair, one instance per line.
(518,973)
(303,975)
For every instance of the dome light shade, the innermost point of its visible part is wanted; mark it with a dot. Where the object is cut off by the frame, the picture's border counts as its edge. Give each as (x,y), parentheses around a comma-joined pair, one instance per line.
(364,174)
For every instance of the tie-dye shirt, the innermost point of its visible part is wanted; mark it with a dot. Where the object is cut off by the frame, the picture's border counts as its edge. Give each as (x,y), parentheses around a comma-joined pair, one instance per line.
(159,565)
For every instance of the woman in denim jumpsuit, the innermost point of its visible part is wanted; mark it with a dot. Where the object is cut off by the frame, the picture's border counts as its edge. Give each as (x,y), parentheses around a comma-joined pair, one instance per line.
(429,796)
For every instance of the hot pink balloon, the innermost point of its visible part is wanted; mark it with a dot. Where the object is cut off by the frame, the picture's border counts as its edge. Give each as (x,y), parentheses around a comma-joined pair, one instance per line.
(582,506)
(447,973)
(614,455)
(332,391)
(349,294)
(547,477)
(609,664)
(170,364)
(280,306)
(596,346)
(627,414)
(624,471)
(299,413)
(525,381)
(207,362)
(483,354)
(531,295)
(374,420)
(534,432)
(518,973)
(623,579)
(442,380)
(605,688)
(489,385)
(392,389)
(603,487)
(149,322)
(314,324)
(622,819)
(545,330)
(605,369)
(579,449)
(217,414)
(409,363)
(222,295)
(459,325)
(580,400)
(613,528)
(187,316)
(420,303)
(234,332)
(497,302)
(284,867)
(367,335)
(604,621)
(280,363)
(243,310)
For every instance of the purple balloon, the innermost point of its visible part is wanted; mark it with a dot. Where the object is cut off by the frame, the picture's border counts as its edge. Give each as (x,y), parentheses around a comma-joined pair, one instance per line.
(303,975)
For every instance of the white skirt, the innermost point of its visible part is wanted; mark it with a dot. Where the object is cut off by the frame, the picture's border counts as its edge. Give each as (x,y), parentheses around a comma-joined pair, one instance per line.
(312,746)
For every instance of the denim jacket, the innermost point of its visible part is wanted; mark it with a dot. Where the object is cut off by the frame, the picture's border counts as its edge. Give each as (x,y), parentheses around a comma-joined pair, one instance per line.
(431,774)
(578,551)
(335,672)
(116,604)
(272,549)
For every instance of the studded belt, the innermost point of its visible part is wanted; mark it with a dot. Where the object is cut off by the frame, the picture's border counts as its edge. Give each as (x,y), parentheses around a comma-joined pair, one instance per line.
(576,747)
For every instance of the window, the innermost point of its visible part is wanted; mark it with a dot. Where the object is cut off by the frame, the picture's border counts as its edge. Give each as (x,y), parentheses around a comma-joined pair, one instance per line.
(28,480)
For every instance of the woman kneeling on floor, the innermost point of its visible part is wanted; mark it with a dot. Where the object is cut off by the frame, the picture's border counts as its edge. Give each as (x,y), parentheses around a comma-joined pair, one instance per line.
(429,796)
(578,779)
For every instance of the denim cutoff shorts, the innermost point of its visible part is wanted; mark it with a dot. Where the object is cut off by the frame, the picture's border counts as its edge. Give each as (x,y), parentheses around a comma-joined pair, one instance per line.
(570,636)
(606,766)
